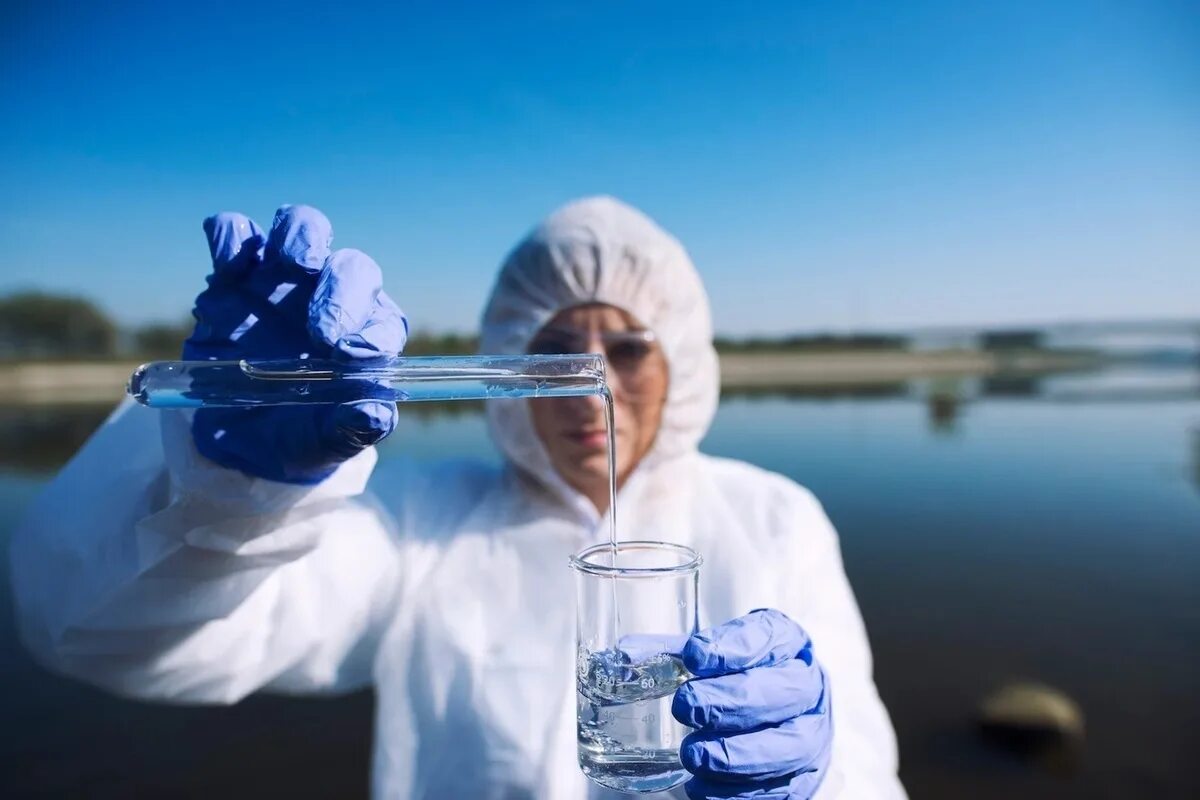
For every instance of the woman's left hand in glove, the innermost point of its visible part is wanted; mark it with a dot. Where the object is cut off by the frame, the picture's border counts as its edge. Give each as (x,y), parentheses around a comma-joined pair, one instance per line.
(761,706)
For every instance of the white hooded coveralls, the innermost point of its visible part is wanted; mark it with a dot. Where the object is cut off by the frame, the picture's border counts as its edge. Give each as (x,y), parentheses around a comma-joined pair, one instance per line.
(151,572)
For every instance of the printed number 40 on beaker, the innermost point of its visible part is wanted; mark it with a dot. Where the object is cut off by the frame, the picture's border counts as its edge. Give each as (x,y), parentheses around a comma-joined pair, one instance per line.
(635,609)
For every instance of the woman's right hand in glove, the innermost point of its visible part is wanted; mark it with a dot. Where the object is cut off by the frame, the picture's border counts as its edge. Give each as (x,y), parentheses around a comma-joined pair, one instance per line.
(286,295)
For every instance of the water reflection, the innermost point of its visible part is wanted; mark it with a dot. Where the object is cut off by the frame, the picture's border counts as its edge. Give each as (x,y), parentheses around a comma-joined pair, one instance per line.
(943,412)
(39,439)
(426,411)
(1005,529)
(944,399)
(1012,386)
(1196,456)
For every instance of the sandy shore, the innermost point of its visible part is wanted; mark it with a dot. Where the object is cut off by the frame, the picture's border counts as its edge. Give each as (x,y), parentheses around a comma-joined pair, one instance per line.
(63,383)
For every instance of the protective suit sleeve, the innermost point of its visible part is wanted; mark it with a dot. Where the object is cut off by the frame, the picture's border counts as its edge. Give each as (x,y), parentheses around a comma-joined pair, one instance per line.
(865,761)
(149,571)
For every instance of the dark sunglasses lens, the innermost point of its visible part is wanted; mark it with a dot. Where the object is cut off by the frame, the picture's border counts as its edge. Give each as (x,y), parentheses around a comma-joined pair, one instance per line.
(553,346)
(628,355)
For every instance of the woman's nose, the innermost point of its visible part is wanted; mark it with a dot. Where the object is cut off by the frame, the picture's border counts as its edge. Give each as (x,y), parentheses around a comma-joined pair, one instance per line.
(581,409)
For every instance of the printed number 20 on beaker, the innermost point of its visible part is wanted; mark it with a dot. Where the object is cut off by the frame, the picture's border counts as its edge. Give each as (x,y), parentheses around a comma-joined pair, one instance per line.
(634,611)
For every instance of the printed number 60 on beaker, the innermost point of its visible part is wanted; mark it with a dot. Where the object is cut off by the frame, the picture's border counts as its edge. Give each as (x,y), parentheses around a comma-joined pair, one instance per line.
(636,606)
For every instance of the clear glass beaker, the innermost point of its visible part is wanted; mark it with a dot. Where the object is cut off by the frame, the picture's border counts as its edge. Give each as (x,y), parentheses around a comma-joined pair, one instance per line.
(635,609)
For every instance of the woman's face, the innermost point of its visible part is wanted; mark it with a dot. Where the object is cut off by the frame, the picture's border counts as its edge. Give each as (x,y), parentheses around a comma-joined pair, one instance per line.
(572,429)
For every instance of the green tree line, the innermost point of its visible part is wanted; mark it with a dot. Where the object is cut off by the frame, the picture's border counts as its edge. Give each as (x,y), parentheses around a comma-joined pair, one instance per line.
(39,325)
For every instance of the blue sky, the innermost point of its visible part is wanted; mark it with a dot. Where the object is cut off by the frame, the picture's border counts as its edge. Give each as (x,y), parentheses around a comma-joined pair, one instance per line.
(830,166)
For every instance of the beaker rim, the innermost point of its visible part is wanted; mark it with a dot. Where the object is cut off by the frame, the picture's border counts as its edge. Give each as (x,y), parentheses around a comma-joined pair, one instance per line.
(690,563)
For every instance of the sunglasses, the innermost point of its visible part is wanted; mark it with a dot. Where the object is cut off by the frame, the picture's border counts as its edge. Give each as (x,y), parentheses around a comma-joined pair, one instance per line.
(626,351)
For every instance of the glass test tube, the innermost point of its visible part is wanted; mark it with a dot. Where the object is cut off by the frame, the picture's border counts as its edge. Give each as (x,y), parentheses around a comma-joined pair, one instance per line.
(205,384)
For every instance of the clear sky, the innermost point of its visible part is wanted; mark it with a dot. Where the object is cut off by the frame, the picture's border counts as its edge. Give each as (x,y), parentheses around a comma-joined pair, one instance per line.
(830,165)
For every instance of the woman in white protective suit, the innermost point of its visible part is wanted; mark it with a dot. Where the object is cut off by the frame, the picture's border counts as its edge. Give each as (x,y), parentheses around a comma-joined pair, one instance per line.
(199,557)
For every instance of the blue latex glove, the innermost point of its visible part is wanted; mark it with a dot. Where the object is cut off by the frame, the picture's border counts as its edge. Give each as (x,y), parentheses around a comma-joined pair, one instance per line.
(287,296)
(762,709)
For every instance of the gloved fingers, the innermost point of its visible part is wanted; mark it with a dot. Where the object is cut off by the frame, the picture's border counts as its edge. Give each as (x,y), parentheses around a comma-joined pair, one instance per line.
(234,241)
(352,427)
(769,752)
(279,444)
(346,312)
(790,787)
(300,236)
(294,444)
(384,334)
(742,701)
(641,646)
(761,638)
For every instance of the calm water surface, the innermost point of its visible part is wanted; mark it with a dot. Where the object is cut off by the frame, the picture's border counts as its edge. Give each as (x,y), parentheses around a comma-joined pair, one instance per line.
(1045,531)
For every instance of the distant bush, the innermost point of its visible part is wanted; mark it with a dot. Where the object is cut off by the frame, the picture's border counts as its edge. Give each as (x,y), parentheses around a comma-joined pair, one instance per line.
(40,325)
(166,341)
(1011,340)
(449,344)
(161,340)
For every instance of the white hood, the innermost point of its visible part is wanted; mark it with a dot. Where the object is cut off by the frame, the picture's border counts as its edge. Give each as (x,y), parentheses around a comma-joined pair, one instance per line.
(599,250)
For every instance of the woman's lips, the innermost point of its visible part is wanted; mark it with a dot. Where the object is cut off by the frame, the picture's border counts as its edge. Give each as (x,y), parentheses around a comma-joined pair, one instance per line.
(591,439)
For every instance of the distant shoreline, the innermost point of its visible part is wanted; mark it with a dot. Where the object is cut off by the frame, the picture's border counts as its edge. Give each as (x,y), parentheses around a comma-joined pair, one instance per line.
(64,383)
(70,383)
(802,370)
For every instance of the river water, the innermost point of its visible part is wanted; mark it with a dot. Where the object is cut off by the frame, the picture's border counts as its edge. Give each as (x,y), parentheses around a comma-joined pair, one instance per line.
(1047,530)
